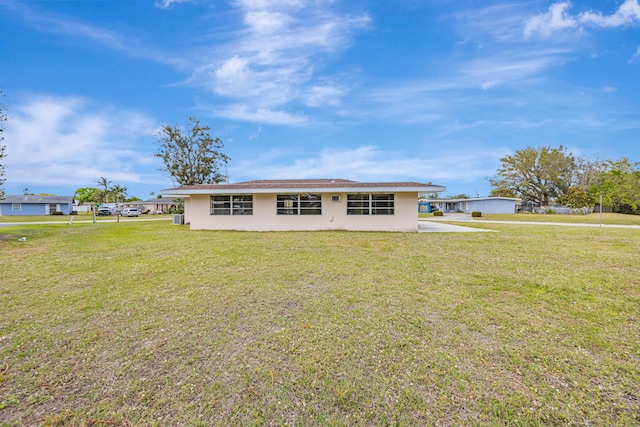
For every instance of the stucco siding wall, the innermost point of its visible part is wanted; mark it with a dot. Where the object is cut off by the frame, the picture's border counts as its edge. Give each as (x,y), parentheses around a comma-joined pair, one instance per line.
(492,206)
(334,216)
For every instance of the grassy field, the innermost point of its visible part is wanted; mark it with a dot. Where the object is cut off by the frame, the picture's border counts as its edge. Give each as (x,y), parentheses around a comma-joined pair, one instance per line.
(82,217)
(607,218)
(146,323)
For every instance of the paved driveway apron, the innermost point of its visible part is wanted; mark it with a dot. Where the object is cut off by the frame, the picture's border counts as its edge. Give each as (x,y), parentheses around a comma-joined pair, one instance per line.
(439,227)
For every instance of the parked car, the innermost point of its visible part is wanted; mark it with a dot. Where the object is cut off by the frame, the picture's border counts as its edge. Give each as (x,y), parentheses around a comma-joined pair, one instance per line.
(103,212)
(129,212)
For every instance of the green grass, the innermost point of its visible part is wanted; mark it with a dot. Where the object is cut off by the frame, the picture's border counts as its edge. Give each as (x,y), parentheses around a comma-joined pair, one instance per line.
(152,324)
(82,217)
(594,218)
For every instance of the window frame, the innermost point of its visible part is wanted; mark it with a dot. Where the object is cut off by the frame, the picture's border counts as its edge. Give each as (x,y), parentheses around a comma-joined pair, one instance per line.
(16,207)
(371,204)
(299,204)
(232,204)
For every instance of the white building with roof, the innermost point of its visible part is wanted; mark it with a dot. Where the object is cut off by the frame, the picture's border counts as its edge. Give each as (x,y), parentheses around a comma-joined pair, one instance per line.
(303,204)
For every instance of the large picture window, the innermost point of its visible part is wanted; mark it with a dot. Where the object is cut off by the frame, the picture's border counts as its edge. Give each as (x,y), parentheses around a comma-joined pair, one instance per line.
(232,205)
(370,204)
(299,204)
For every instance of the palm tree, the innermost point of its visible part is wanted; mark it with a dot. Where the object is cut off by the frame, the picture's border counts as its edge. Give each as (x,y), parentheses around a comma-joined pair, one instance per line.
(118,192)
(104,184)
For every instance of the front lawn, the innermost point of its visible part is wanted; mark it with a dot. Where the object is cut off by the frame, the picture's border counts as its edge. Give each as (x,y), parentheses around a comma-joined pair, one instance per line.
(147,323)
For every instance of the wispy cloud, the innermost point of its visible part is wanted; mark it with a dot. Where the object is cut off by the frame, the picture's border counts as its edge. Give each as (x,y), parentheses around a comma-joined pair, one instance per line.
(69,140)
(165,4)
(63,25)
(371,163)
(274,58)
(557,18)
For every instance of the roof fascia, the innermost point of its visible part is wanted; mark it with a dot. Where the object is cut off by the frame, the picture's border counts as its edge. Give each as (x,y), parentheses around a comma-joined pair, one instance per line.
(289,190)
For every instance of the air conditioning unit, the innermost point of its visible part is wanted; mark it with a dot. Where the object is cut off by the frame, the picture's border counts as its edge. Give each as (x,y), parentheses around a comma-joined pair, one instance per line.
(178,219)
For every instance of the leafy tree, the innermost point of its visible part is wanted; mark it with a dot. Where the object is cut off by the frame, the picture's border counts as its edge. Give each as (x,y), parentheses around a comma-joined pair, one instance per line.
(619,187)
(535,174)
(575,197)
(459,196)
(191,155)
(133,199)
(118,192)
(503,192)
(88,195)
(3,118)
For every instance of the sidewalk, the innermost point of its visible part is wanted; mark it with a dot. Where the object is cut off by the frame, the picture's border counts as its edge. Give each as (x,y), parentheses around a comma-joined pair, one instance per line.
(461,217)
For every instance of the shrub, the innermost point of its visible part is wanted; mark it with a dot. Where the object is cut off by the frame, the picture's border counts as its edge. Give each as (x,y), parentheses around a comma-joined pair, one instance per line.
(56,213)
(476,214)
(438,213)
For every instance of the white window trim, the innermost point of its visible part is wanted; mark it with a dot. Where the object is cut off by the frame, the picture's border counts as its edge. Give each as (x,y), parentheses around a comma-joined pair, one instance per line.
(370,206)
(231,208)
(299,209)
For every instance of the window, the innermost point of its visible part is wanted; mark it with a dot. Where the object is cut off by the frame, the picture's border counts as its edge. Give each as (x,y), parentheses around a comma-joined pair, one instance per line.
(370,204)
(299,204)
(16,207)
(232,205)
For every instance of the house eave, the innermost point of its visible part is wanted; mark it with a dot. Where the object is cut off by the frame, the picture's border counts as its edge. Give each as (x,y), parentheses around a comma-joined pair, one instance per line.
(183,193)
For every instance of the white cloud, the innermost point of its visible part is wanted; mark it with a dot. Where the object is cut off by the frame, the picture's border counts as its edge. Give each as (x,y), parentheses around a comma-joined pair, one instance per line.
(554,19)
(627,14)
(369,163)
(557,19)
(273,60)
(165,4)
(262,115)
(70,141)
(635,56)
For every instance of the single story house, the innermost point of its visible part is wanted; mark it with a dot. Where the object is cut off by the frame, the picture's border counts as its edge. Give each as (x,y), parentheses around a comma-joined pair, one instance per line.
(486,205)
(153,206)
(35,205)
(302,204)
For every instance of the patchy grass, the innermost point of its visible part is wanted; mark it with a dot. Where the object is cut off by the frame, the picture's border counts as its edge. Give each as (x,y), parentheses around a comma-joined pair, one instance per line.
(82,217)
(594,218)
(151,324)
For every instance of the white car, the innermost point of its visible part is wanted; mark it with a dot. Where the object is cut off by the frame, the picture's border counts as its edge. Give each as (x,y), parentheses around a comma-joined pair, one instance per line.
(129,212)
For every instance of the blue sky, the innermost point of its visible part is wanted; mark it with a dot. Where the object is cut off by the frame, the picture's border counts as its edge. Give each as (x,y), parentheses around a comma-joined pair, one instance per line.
(376,90)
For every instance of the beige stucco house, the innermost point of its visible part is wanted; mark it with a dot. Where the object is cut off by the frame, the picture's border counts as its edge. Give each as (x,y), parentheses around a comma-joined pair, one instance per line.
(304,204)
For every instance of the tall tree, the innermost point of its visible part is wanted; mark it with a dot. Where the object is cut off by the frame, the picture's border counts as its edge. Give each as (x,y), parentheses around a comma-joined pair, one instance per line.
(103,183)
(118,192)
(191,155)
(535,174)
(3,118)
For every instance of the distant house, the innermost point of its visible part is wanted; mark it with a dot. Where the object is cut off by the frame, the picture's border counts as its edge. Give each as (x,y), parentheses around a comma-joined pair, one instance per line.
(305,204)
(35,205)
(486,205)
(153,206)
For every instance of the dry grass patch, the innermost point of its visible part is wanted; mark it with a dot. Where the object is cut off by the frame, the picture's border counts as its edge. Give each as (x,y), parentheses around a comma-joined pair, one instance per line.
(152,324)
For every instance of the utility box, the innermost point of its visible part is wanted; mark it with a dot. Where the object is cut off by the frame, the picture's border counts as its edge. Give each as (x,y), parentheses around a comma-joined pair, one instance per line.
(178,219)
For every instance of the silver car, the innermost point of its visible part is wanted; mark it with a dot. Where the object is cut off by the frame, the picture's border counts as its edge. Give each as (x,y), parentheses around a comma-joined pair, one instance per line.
(129,212)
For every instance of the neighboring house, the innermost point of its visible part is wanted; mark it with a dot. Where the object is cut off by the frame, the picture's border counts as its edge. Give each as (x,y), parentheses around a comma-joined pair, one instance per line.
(153,206)
(35,205)
(305,204)
(486,205)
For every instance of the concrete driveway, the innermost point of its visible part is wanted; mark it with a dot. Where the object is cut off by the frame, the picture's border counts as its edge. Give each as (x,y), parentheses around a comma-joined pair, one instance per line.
(430,226)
